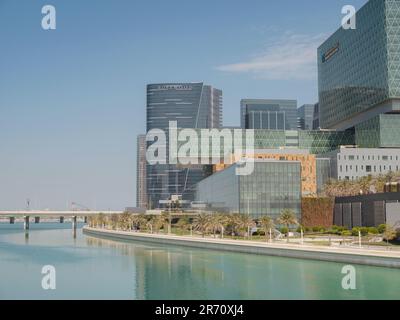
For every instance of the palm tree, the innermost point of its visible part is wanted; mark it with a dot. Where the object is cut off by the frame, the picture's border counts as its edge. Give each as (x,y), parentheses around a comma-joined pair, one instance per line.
(267,224)
(215,223)
(287,218)
(202,223)
(167,218)
(184,224)
(221,221)
(101,220)
(232,222)
(244,223)
(389,234)
(156,223)
(125,221)
(114,221)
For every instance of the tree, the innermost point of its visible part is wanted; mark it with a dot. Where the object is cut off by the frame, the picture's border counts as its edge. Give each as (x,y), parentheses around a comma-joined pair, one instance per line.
(101,220)
(381,228)
(167,221)
(125,221)
(287,218)
(114,221)
(156,223)
(202,223)
(184,224)
(244,223)
(267,224)
(389,234)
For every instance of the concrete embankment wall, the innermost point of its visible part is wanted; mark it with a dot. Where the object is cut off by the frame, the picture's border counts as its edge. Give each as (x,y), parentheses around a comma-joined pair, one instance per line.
(331,255)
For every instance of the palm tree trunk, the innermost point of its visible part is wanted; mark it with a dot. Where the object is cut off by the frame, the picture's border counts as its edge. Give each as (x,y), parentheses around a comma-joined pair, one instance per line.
(287,226)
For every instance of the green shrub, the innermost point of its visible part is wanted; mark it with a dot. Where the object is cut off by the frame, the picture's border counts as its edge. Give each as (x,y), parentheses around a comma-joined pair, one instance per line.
(346,233)
(355,230)
(364,231)
(315,229)
(373,230)
(382,228)
(284,230)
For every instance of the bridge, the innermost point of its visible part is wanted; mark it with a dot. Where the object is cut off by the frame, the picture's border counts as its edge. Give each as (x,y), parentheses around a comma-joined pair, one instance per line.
(38,214)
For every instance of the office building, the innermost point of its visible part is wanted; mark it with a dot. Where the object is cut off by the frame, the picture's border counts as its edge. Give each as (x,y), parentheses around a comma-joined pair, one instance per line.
(268,114)
(369,210)
(382,131)
(191,105)
(272,187)
(353,163)
(141,168)
(305,117)
(359,70)
(316,125)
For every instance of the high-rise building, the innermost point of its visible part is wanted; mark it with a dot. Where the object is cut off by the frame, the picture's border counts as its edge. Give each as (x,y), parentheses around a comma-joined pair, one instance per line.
(316,125)
(191,105)
(359,70)
(141,177)
(268,114)
(305,117)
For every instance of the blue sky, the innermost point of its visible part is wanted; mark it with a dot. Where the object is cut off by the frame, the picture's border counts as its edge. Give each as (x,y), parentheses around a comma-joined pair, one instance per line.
(72,100)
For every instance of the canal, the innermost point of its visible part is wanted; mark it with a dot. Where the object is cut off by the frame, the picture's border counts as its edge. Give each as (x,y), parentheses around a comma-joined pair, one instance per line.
(91,268)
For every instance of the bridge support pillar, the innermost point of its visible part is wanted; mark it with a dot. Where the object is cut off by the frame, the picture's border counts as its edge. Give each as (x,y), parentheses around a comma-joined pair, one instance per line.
(12,220)
(74,222)
(85,219)
(61,219)
(26,222)
(37,220)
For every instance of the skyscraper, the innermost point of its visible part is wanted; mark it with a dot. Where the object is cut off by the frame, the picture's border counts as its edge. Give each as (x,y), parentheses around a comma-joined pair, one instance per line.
(305,117)
(141,177)
(359,70)
(191,105)
(268,114)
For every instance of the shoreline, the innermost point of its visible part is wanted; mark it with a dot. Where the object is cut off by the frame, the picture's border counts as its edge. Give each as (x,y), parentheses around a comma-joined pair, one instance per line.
(375,258)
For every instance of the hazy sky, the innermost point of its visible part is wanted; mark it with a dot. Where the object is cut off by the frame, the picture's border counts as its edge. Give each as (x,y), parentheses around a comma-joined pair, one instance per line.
(72,100)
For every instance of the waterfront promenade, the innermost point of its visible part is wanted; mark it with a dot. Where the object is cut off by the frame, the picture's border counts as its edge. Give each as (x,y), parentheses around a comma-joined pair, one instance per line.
(380,258)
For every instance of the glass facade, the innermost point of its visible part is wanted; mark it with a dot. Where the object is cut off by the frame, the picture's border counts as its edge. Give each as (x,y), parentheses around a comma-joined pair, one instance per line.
(359,70)
(272,187)
(305,117)
(191,105)
(269,114)
(316,142)
(323,173)
(141,176)
(383,131)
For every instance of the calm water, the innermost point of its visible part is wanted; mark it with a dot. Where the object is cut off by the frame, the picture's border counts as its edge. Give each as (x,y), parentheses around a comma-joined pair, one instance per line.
(90,268)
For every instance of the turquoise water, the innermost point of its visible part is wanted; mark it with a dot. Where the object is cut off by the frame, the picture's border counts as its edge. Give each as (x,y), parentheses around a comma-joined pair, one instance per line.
(91,268)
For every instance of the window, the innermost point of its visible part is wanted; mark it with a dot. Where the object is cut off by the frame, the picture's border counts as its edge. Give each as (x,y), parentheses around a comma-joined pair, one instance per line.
(368,168)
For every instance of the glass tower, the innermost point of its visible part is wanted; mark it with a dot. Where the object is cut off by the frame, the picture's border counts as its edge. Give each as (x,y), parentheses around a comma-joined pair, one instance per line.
(359,70)
(268,114)
(191,105)
(141,176)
